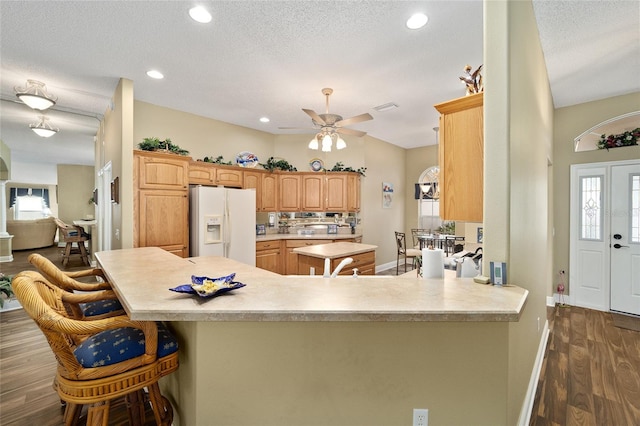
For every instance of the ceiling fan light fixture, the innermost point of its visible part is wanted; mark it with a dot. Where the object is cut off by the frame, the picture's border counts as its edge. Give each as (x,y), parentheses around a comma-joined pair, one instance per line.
(417,21)
(314,143)
(35,95)
(43,128)
(341,144)
(326,143)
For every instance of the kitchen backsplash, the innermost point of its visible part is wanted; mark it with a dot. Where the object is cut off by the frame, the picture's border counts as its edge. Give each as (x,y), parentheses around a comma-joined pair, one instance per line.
(301,222)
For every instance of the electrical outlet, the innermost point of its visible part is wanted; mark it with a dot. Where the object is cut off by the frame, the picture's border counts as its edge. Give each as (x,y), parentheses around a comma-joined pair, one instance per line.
(420,417)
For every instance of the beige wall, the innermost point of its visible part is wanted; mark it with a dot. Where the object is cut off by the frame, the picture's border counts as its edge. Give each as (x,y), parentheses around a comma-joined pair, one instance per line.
(569,123)
(518,136)
(75,188)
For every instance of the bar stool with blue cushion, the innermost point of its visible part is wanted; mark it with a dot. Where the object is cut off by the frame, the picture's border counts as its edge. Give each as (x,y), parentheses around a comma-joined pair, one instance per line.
(102,308)
(100,360)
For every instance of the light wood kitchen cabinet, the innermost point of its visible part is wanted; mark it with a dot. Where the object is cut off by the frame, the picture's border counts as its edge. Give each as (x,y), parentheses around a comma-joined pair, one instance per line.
(364,262)
(313,192)
(201,173)
(291,258)
(229,176)
(289,192)
(336,188)
(253,180)
(269,256)
(353,192)
(461,158)
(269,192)
(161,201)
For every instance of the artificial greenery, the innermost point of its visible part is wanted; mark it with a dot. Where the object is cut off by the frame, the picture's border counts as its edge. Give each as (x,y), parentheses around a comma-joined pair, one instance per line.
(273,164)
(339,167)
(447,228)
(5,288)
(155,144)
(629,138)
(218,160)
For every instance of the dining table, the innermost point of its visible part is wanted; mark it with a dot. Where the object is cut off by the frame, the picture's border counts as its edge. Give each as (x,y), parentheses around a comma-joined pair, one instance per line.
(442,241)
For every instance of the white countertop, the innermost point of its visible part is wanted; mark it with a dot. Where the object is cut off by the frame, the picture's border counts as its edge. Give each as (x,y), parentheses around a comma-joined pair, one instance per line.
(142,277)
(334,250)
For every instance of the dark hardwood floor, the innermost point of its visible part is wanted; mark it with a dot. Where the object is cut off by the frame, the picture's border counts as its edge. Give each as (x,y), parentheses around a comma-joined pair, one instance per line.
(590,374)
(591,371)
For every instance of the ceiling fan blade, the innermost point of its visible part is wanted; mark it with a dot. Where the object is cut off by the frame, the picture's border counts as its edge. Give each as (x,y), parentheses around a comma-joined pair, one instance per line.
(350,132)
(315,116)
(353,120)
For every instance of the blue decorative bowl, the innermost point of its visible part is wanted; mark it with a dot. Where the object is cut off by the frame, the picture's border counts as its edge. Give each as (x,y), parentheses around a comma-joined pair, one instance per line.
(209,287)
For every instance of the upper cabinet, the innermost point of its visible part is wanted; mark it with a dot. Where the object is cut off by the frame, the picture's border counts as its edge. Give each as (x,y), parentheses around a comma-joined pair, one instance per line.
(161,201)
(266,186)
(461,154)
(289,192)
(203,173)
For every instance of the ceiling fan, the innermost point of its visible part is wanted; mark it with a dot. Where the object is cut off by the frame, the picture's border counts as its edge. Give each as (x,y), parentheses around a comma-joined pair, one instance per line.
(331,125)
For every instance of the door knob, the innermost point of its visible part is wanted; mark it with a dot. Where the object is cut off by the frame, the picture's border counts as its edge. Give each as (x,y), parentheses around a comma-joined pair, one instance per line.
(616,245)
(617,236)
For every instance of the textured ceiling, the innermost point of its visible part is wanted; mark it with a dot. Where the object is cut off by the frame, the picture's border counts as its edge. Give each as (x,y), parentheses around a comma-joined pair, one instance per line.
(272,58)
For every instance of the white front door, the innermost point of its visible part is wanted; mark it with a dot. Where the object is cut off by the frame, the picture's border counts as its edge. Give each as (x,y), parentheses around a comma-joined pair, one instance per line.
(625,238)
(589,264)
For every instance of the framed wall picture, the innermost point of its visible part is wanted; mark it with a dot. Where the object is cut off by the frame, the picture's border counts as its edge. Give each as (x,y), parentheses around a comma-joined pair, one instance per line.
(480,235)
(387,195)
(261,229)
(115,190)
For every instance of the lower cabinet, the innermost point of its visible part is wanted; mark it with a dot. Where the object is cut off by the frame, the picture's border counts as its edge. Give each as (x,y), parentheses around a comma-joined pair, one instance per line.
(365,262)
(291,259)
(269,256)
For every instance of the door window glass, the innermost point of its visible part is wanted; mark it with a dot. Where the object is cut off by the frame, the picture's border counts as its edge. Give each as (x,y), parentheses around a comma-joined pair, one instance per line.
(591,208)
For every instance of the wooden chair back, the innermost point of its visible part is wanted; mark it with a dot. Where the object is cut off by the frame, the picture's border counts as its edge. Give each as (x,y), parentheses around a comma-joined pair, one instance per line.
(70,233)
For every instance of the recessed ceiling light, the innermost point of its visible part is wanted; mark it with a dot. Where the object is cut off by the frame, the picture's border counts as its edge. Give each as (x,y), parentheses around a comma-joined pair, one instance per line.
(200,14)
(155,74)
(264,120)
(417,20)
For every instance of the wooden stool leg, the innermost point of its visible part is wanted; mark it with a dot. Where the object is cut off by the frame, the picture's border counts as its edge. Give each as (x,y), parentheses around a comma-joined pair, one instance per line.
(162,409)
(72,414)
(67,253)
(98,414)
(135,407)
(83,252)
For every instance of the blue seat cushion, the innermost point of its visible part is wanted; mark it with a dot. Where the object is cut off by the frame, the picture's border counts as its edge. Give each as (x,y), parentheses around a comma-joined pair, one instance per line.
(114,346)
(100,307)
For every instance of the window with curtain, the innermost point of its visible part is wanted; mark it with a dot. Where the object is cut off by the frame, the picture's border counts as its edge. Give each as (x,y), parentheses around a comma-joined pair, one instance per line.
(29,203)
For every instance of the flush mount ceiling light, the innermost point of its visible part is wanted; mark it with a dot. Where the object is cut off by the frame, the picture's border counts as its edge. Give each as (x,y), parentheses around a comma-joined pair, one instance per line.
(200,14)
(35,95)
(43,128)
(417,21)
(264,119)
(155,74)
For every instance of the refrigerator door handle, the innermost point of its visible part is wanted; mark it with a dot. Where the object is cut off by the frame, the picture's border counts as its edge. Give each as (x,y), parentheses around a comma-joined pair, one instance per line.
(227,223)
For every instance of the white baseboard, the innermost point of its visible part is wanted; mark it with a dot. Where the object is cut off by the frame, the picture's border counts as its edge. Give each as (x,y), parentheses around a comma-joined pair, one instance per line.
(527,405)
(385,266)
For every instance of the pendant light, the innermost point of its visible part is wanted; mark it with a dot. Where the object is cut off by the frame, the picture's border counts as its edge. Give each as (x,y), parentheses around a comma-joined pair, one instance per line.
(43,128)
(35,95)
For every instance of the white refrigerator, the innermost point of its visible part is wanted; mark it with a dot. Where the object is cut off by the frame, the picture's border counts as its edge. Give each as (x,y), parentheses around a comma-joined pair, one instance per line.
(223,223)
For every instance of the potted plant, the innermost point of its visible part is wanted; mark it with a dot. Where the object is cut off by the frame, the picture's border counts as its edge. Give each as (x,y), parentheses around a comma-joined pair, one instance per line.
(6,292)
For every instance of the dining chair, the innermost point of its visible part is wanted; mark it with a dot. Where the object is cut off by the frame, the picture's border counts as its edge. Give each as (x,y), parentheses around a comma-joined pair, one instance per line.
(415,232)
(100,360)
(102,308)
(403,252)
(73,234)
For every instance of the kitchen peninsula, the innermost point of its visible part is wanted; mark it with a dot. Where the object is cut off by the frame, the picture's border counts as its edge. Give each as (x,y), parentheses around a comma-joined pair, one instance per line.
(313,350)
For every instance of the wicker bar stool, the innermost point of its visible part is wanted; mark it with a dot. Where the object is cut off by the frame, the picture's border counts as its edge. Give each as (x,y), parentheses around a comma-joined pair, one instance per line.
(100,360)
(109,306)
